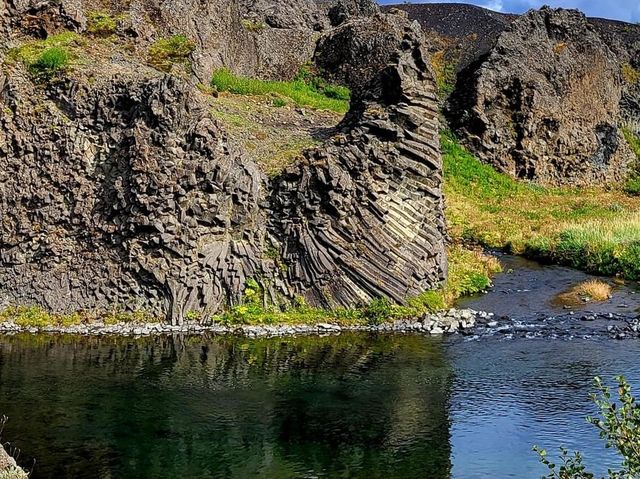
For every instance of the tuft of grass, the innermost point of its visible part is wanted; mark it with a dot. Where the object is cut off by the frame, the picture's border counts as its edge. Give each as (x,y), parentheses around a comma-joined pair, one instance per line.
(37,317)
(470,272)
(51,62)
(592,229)
(445,72)
(609,248)
(279,102)
(101,23)
(164,53)
(630,75)
(47,58)
(632,185)
(298,91)
(595,290)
(253,25)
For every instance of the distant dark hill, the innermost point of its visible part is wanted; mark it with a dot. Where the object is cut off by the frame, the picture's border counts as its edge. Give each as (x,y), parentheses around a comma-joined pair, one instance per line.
(469,29)
(473,30)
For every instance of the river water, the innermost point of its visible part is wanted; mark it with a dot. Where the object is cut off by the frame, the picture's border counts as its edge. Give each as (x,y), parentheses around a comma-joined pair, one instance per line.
(347,406)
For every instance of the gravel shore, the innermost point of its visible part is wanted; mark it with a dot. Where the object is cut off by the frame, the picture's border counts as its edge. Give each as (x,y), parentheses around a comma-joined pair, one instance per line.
(450,322)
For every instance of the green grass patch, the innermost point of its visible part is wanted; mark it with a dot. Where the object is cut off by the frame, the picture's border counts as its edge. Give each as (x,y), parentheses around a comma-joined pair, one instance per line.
(52,61)
(165,53)
(298,91)
(632,185)
(37,317)
(445,72)
(101,23)
(591,229)
(48,58)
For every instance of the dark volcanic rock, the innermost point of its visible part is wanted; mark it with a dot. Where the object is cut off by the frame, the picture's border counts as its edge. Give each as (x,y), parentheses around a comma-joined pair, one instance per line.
(362,216)
(264,38)
(544,104)
(466,32)
(122,192)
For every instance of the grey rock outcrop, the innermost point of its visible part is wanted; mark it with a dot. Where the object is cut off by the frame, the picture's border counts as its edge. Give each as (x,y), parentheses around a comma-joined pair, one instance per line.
(544,105)
(263,38)
(362,216)
(122,192)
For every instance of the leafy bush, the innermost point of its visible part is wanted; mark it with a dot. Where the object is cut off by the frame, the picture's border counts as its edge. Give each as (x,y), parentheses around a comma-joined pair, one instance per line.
(619,427)
(166,52)
(101,23)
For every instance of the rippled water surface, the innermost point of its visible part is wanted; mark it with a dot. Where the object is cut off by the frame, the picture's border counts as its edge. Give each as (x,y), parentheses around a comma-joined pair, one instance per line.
(351,406)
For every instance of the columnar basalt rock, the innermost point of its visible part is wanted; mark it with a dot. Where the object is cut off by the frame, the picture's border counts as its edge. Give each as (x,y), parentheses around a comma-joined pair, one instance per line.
(123,193)
(544,105)
(361,216)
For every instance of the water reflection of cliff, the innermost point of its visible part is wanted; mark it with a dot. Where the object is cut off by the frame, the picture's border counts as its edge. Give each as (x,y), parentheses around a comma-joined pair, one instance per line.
(349,406)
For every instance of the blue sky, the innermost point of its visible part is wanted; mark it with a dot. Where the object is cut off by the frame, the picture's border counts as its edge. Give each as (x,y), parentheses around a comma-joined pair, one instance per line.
(627,10)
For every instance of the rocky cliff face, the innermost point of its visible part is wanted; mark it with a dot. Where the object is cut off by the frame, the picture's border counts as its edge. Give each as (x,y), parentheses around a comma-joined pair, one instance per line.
(545,103)
(362,216)
(517,103)
(118,190)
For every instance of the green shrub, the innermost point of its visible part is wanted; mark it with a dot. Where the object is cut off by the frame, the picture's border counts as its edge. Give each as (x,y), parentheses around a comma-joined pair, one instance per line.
(166,52)
(101,23)
(51,62)
(618,425)
(380,310)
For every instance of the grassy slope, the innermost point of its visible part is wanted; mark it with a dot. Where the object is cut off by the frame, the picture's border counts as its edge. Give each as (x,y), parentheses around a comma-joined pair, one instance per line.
(299,91)
(592,229)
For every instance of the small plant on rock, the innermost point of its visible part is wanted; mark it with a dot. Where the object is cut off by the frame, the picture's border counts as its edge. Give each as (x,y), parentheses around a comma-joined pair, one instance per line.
(51,62)
(378,311)
(166,52)
(101,23)
(253,25)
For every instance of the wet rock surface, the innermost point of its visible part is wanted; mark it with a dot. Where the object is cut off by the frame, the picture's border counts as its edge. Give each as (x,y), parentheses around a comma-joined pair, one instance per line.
(123,191)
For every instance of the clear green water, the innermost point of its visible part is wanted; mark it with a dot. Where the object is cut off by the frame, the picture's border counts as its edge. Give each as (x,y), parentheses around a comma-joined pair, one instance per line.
(353,406)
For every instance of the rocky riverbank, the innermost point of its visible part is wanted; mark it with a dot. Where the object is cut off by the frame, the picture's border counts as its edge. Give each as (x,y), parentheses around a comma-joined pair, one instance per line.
(450,322)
